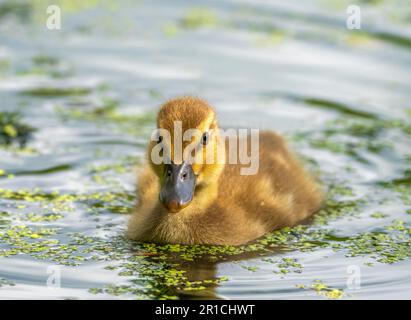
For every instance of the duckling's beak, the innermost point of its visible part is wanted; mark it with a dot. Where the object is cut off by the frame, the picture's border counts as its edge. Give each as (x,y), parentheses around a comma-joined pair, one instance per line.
(178,186)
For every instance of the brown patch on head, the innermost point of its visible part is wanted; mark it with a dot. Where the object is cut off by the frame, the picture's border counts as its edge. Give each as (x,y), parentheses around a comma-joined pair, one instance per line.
(191,111)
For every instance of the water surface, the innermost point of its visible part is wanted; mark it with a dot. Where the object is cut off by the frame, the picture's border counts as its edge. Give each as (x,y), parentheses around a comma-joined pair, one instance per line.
(91,90)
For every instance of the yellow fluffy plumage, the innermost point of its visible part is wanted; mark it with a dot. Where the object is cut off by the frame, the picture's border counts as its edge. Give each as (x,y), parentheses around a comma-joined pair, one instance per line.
(226,208)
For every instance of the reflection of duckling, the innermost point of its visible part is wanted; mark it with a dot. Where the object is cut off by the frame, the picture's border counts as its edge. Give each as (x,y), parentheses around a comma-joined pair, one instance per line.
(198,202)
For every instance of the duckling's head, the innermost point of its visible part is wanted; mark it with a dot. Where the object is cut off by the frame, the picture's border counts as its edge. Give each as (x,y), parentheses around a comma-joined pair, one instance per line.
(184,151)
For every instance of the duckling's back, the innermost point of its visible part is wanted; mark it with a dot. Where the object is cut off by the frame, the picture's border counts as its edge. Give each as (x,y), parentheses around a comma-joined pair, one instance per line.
(280,194)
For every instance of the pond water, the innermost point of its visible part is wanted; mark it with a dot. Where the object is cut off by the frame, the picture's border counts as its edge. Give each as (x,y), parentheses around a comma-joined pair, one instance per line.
(90,91)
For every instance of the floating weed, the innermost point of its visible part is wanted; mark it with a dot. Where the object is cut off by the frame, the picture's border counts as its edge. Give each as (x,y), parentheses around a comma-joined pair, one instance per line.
(13,130)
(401,185)
(383,246)
(161,268)
(249,268)
(196,18)
(358,38)
(346,111)
(32,217)
(108,114)
(340,201)
(202,284)
(5,65)
(35,242)
(115,202)
(5,282)
(338,190)
(353,134)
(109,174)
(349,147)
(156,280)
(273,38)
(18,150)
(323,289)
(157,275)
(5,219)
(120,290)
(378,215)
(334,209)
(46,66)
(288,265)
(45,60)
(57,91)
(171,29)
(162,271)
(53,201)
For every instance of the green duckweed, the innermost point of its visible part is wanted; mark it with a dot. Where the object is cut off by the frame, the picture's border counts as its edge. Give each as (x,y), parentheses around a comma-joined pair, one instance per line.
(199,18)
(13,130)
(323,289)
(5,282)
(107,114)
(152,271)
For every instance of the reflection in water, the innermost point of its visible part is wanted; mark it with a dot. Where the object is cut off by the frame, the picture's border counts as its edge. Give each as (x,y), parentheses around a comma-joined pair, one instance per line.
(204,271)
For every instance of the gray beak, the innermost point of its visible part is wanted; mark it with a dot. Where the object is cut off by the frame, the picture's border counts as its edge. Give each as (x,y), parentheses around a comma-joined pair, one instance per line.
(178,186)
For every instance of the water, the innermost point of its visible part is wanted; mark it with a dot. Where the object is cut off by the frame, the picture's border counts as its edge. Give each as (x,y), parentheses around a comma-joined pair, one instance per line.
(341,97)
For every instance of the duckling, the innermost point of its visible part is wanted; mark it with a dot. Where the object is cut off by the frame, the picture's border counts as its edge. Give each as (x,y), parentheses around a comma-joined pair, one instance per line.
(211,202)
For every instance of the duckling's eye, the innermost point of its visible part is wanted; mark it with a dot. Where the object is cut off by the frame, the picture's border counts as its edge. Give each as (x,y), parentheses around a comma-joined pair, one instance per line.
(159,139)
(205,138)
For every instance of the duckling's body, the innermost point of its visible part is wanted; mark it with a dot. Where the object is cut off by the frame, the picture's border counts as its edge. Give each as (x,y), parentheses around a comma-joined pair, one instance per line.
(231,208)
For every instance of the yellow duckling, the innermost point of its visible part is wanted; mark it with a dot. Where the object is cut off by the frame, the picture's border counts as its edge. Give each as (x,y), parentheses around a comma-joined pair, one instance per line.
(212,202)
